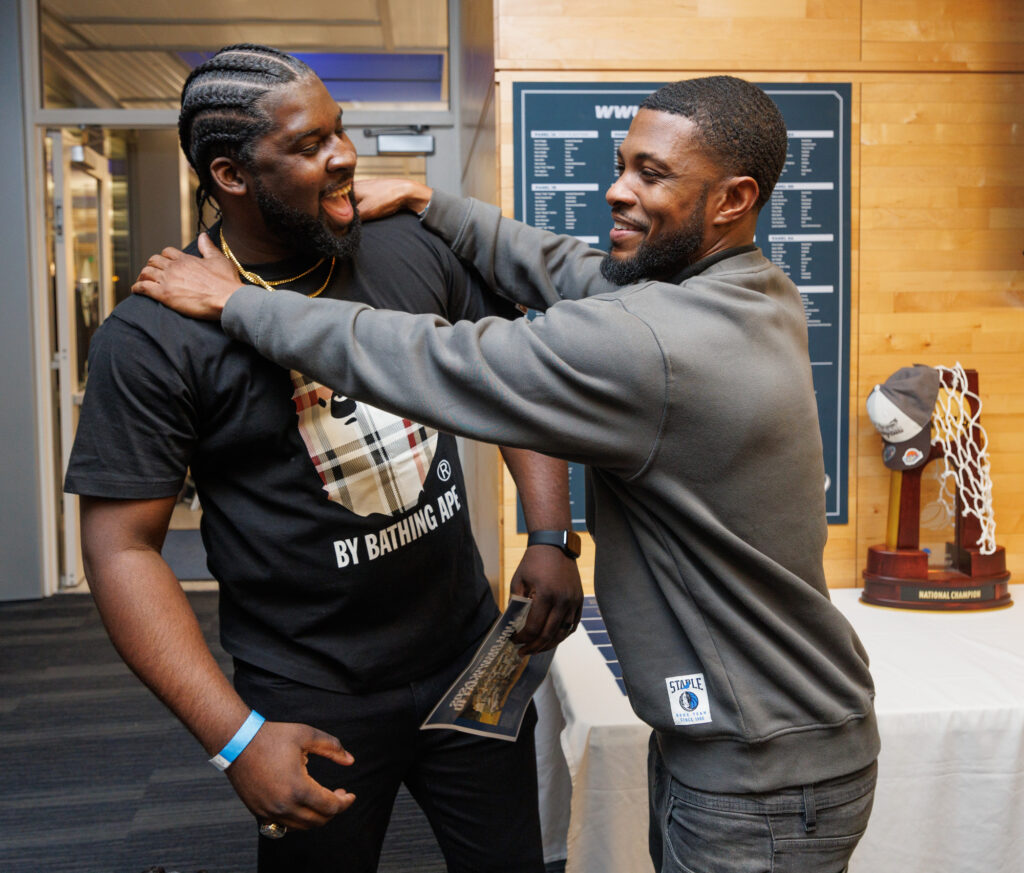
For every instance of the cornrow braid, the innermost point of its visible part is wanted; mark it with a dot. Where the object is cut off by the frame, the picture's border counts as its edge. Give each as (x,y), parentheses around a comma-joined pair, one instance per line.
(221,106)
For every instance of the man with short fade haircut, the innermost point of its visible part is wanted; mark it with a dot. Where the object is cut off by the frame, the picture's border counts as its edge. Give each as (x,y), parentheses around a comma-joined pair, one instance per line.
(352,593)
(750,140)
(676,368)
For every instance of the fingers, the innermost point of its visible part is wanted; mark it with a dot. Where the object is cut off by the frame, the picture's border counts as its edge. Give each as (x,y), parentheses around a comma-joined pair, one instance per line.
(144,286)
(543,625)
(377,198)
(552,581)
(206,247)
(148,282)
(546,626)
(329,747)
(368,204)
(311,808)
(149,273)
(316,805)
(345,798)
(270,776)
(158,262)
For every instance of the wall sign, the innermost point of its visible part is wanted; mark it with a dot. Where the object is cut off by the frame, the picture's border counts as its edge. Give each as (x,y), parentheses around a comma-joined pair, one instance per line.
(566,136)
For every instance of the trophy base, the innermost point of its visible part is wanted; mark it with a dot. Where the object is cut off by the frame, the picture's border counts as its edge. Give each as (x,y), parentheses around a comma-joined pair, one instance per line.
(901,578)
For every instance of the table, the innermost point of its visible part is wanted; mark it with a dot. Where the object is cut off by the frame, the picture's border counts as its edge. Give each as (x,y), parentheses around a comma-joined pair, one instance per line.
(950,705)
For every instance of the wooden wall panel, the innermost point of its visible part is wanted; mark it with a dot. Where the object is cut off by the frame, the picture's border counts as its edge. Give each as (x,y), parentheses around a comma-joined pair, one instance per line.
(658,34)
(938,193)
(960,34)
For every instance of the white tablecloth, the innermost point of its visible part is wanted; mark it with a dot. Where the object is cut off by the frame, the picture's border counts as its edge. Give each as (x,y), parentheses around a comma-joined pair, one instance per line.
(950,704)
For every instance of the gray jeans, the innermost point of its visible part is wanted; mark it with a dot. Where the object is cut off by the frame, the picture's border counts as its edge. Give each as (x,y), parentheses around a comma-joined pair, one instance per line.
(805,829)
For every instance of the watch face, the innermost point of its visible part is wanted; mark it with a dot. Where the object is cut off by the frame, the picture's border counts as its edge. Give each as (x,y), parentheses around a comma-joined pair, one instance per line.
(573,543)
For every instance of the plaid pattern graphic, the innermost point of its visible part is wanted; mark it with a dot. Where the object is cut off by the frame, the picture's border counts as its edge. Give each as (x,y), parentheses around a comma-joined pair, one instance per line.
(370,461)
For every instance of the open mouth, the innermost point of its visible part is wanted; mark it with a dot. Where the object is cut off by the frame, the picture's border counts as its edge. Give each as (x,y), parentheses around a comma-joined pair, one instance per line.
(337,204)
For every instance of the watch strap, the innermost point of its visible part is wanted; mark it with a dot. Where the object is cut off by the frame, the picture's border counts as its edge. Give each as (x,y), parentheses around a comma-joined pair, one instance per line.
(566,540)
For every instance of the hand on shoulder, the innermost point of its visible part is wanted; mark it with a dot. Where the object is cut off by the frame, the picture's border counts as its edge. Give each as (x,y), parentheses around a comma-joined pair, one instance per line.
(196,287)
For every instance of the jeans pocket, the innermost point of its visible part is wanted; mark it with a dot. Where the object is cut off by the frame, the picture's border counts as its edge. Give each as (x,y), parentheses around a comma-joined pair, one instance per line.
(814,854)
(703,840)
(828,847)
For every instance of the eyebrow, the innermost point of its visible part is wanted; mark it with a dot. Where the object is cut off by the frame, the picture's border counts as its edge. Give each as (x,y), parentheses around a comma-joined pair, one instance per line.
(647,156)
(313,131)
(642,156)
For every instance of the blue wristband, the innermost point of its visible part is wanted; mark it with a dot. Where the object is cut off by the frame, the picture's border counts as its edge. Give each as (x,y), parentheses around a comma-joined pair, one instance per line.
(226,756)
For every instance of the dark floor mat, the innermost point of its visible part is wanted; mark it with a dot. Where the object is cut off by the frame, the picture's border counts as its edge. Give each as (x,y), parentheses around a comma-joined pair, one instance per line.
(184,552)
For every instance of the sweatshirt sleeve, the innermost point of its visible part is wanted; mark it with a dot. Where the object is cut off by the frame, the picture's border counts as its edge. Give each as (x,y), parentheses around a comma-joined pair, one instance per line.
(586,382)
(532,267)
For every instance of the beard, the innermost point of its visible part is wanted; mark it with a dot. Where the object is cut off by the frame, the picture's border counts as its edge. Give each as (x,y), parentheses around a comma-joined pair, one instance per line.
(661,258)
(306,234)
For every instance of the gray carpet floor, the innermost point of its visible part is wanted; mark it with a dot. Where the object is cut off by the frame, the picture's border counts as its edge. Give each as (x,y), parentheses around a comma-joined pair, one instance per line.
(185,554)
(96,776)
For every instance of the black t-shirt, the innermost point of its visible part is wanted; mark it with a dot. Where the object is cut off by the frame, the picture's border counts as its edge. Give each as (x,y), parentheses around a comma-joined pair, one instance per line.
(339,533)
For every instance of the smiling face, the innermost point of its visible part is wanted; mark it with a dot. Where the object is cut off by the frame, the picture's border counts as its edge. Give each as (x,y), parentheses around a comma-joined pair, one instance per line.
(660,200)
(302,172)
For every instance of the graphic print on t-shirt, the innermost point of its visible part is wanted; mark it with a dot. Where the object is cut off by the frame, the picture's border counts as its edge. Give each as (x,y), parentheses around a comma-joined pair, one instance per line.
(370,461)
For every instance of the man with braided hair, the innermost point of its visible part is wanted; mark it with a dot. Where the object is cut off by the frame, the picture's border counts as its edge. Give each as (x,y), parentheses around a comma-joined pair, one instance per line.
(352,593)
(675,367)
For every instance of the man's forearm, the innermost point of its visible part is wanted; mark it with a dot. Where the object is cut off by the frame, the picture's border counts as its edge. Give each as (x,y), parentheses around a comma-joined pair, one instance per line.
(532,267)
(545,574)
(156,632)
(543,485)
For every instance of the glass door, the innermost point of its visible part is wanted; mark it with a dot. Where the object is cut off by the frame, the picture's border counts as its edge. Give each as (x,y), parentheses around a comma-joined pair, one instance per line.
(79,243)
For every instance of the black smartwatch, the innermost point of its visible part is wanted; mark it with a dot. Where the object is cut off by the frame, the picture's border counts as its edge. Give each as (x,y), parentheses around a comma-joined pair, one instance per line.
(566,540)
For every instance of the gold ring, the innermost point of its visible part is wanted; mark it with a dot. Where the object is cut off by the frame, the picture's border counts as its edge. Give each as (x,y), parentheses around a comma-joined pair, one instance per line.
(272,830)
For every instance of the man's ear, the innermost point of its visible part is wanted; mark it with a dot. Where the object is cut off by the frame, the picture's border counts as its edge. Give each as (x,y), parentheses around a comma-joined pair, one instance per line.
(737,197)
(229,177)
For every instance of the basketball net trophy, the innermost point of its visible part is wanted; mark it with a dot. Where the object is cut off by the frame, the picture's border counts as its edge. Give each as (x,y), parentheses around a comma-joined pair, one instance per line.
(904,411)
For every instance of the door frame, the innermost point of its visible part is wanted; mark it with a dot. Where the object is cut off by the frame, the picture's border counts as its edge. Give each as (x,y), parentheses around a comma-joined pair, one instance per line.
(65,158)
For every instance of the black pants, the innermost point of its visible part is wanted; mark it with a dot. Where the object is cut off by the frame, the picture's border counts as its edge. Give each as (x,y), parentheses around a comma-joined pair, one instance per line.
(479,794)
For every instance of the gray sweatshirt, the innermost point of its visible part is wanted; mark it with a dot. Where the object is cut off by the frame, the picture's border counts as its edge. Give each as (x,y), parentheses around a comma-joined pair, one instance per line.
(692,405)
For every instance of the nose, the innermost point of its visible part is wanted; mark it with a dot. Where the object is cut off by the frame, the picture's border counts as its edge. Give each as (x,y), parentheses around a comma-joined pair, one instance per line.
(342,155)
(619,192)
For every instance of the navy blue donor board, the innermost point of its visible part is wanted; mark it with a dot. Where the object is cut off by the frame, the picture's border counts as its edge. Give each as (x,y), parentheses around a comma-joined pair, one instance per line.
(566,137)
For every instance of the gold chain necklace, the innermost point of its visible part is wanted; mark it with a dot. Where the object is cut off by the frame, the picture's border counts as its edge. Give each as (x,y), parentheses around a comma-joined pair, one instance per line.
(256,279)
